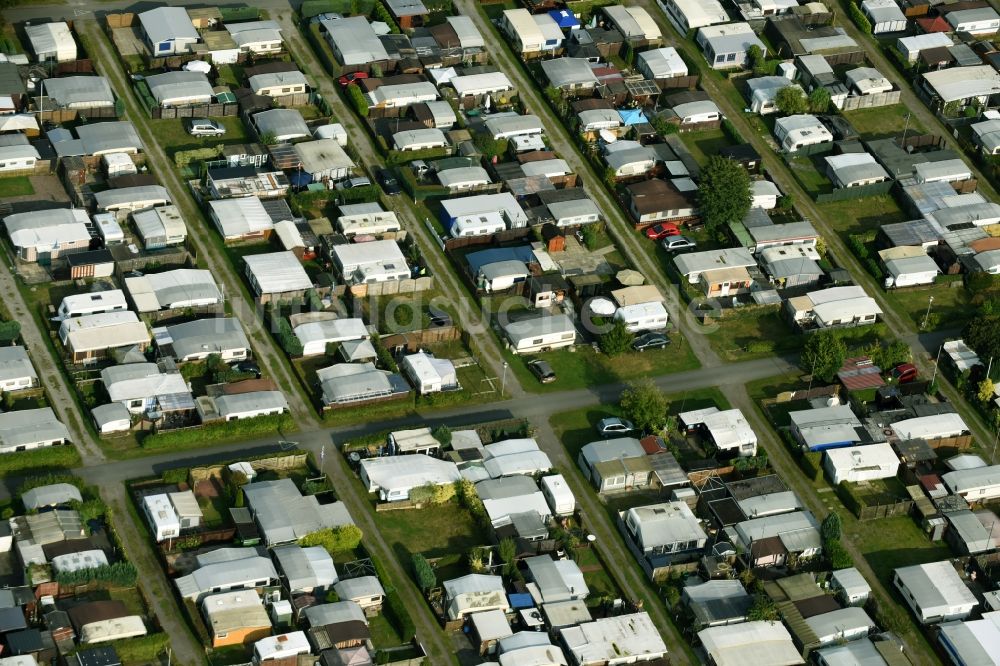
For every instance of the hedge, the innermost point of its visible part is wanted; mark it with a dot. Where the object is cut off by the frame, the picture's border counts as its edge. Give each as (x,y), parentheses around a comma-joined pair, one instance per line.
(224,431)
(141,649)
(811,463)
(858,17)
(397,157)
(49,479)
(44,459)
(393,607)
(850,500)
(322,49)
(118,574)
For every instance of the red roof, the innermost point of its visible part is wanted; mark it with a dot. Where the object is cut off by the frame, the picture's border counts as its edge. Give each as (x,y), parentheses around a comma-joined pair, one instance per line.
(860,373)
(936,24)
(930,481)
(652,444)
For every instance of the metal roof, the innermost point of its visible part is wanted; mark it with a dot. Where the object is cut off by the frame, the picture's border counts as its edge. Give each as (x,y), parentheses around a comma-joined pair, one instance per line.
(282,124)
(140,380)
(355,40)
(182,287)
(179,84)
(253,401)
(165,24)
(284,514)
(247,571)
(51,495)
(30,426)
(126,196)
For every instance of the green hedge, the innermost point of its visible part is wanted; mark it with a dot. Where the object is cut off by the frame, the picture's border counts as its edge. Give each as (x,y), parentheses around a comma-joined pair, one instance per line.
(811,463)
(215,433)
(393,607)
(141,649)
(118,574)
(859,17)
(850,500)
(322,48)
(397,157)
(39,460)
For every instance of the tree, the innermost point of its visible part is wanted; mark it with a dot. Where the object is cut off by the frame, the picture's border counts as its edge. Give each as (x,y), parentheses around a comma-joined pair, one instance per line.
(616,341)
(981,335)
(443,435)
(824,354)
(838,555)
(508,553)
(645,405)
(763,609)
(830,528)
(819,100)
(334,539)
(791,100)
(723,193)
(357,98)
(755,58)
(10,331)
(986,391)
(423,573)
(889,355)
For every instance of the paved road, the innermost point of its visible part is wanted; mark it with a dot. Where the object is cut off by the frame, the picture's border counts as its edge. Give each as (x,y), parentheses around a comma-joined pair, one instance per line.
(49,375)
(619,227)
(720,92)
(487,350)
(272,360)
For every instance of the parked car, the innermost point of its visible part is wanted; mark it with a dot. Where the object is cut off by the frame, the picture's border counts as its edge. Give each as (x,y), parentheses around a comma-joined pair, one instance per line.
(663,230)
(678,244)
(904,373)
(360,181)
(614,426)
(542,370)
(205,127)
(650,341)
(348,79)
(387,181)
(247,366)
(325,16)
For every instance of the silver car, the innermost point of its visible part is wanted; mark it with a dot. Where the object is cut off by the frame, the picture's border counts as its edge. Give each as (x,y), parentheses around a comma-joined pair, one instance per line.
(205,127)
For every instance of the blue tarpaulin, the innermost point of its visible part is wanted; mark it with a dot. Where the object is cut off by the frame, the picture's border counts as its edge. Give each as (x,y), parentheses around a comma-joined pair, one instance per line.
(632,116)
(565,19)
(520,600)
(300,178)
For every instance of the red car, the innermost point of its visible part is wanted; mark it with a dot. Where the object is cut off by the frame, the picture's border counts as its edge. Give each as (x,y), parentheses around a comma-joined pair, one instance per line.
(904,373)
(348,79)
(661,231)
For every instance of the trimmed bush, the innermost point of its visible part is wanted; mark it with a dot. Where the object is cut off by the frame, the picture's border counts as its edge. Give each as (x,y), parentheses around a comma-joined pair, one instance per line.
(859,17)
(423,573)
(119,574)
(811,463)
(335,540)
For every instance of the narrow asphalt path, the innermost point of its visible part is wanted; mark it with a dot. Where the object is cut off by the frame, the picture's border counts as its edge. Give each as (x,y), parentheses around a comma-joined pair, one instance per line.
(900,327)
(781,460)
(626,572)
(622,231)
(158,590)
(489,355)
(272,360)
(49,375)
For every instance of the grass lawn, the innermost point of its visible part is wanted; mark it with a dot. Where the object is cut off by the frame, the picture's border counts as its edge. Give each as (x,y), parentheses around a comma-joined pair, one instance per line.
(172,135)
(585,367)
(883,121)
(736,332)
(435,531)
(231,654)
(949,310)
(601,585)
(15,186)
(383,633)
(858,215)
(806,170)
(705,143)
(577,427)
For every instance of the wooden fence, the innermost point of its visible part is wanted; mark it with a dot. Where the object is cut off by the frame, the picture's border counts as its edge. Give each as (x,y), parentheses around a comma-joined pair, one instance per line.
(393,287)
(199,111)
(856,102)
(274,463)
(505,236)
(426,336)
(120,20)
(877,511)
(849,193)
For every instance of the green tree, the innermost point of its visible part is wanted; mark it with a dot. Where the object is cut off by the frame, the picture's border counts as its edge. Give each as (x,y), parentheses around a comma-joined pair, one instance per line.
(791,100)
(423,573)
(508,553)
(723,193)
(763,609)
(10,331)
(986,392)
(489,146)
(824,354)
(618,340)
(645,405)
(888,355)
(981,335)
(334,539)
(268,138)
(837,555)
(755,59)
(830,528)
(819,100)
(442,434)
